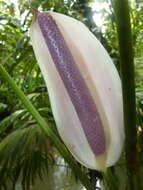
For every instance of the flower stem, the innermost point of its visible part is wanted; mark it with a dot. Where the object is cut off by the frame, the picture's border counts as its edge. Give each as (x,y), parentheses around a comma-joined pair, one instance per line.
(121,10)
(47,131)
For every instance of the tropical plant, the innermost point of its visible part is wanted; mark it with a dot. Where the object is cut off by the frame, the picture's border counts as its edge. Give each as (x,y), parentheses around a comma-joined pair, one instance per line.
(26,149)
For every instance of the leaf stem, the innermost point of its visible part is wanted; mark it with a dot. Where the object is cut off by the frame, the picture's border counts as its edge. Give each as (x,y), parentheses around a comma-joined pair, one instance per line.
(47,131)
(121,10)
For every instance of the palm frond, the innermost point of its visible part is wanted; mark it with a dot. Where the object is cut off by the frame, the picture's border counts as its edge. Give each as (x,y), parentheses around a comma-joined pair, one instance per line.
(26,152)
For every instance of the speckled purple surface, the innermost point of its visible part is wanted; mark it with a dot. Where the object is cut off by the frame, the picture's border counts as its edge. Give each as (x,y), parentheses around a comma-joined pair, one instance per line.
(74,83)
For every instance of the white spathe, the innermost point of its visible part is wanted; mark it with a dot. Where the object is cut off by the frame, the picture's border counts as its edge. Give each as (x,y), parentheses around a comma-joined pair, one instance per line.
(102,79)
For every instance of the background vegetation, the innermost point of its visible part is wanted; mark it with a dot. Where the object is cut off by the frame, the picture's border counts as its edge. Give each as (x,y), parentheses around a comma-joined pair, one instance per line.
(25,152)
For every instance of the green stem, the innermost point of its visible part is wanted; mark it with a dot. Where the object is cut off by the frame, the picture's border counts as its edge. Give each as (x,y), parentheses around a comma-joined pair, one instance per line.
(110,180)
(121,9)
(48,132)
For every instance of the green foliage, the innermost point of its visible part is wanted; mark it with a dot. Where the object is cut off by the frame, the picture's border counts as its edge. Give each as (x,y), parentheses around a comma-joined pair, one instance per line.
(24,151)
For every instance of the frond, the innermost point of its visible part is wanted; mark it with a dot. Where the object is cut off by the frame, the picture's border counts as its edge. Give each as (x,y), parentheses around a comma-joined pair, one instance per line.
(27,153)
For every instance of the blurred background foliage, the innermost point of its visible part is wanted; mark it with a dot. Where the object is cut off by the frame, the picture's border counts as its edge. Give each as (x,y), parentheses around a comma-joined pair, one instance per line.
(25,152)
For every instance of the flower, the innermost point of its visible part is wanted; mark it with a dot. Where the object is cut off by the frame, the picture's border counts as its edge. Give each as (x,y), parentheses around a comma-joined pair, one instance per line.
(84,88)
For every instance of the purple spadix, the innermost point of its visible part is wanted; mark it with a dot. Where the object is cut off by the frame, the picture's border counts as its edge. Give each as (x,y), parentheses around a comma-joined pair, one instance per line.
(84,88)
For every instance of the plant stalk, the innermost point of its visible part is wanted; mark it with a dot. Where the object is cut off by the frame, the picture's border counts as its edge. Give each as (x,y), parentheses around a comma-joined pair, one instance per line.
(46,129)
(122,14)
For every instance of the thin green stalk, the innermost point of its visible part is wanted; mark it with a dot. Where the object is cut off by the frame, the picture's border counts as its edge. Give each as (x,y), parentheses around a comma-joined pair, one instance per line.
(110,180)
(121,10)
(47,131)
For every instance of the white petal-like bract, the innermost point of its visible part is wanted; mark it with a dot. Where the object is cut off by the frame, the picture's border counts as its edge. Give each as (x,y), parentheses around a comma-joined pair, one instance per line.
(84,88)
